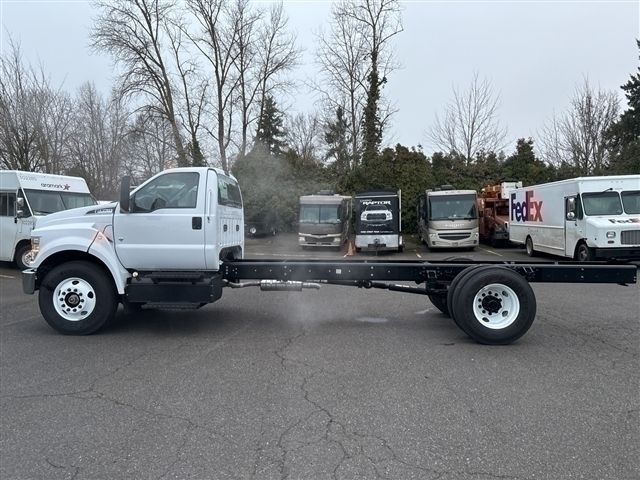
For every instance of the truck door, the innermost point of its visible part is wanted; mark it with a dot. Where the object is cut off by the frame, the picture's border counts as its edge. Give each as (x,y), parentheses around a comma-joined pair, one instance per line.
(573,231)
(164,228)
(8,225)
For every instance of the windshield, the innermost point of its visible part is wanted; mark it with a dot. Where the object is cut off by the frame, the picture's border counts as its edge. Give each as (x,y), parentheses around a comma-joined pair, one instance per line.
(631,201)
(602,203)
(319,214)
(43,202)
(376,207)
(459,207)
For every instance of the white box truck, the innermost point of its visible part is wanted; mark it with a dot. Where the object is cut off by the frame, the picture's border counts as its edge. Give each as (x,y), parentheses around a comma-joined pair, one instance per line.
(25,196)
(585,218)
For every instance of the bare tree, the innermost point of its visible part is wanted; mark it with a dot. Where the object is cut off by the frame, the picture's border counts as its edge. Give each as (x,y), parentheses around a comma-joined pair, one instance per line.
(357,59)
(303,136)
(34,117)
(150,147)
(576,139)
(193,88)
(470,124)
(132,31)
(341,57)
(217,42)
(96,148)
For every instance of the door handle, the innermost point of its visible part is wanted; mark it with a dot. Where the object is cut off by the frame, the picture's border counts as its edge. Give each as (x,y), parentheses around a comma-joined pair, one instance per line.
(196,223)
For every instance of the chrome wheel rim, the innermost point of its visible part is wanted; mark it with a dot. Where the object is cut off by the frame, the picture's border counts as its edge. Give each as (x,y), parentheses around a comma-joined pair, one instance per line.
(496,306)
(74,299)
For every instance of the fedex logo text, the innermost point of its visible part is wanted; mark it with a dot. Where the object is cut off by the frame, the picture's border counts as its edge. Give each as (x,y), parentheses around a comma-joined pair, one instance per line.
(527,211)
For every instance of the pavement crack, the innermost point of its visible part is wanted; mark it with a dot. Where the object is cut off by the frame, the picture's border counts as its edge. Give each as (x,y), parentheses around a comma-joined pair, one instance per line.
(76,470)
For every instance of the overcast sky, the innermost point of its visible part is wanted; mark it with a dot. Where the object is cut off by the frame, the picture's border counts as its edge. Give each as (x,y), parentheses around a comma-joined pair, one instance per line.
(534,52)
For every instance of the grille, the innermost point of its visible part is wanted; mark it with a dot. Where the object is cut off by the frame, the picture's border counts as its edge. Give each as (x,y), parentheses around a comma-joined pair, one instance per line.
(454,236)
(376,216)
(630,237)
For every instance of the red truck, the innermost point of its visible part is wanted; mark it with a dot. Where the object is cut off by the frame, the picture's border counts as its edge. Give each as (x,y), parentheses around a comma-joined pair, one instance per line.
(493,210)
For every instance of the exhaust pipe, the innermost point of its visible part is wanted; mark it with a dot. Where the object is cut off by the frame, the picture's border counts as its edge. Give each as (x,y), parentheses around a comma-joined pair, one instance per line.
(275,285)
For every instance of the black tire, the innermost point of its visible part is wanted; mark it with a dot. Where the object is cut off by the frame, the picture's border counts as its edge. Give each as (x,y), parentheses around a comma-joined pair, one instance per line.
(19,258)
(440,302)
(528,244)
(501,289)
(400,248)
(94,285)
(584,253)
(453,289)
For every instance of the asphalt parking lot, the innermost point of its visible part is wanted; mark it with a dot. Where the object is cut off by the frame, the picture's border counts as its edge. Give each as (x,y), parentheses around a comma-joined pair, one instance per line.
(339,383)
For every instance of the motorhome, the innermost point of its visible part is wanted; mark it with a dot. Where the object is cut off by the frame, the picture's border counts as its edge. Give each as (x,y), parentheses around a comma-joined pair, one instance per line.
(583,218)
(25,196)
(324,220)
(378,223)
(448,218)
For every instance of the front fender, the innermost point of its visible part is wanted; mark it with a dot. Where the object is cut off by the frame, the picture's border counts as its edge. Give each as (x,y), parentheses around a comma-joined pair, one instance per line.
(62,238)
(57,239)
(102,248)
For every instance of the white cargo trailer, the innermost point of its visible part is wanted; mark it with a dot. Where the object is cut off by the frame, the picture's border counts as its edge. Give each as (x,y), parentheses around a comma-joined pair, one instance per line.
(26,196)
(583,218)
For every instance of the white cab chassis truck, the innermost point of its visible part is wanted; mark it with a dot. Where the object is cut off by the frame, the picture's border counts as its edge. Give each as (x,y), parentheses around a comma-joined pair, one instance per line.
(177,241)
(583,218)
(27,196)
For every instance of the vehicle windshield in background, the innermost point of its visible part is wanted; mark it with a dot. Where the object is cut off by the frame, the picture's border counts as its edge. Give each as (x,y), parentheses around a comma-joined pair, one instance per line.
(602,203)
(319,214)
(631,201)
(460,207)
(43,202)
(376,207)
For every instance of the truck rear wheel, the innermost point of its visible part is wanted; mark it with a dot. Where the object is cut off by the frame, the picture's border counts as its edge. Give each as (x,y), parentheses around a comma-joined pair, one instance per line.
(494,305)
(77,298)
(529,246)
(453,288)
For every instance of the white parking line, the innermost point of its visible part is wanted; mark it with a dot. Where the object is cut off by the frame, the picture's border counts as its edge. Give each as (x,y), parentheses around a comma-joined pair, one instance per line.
(6,276)
(491,251)
(418,255)
(278,255)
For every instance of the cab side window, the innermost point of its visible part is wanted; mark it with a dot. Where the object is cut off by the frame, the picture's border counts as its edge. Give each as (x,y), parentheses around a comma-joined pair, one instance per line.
(7,204)
(171,190)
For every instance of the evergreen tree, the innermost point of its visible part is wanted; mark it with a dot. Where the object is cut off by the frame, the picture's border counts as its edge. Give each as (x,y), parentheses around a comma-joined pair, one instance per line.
(270,133)
(336,138)
(195,154)
(624,135)
(523,166)
(371,126)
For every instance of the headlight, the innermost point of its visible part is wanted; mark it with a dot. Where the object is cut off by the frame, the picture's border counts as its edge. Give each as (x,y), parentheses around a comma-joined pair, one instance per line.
(611,234)
(301,239)
(35,245)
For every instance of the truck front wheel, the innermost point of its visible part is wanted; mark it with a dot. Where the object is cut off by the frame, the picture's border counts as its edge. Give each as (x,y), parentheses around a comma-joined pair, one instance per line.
(494,305)
(584,253)
(77,298)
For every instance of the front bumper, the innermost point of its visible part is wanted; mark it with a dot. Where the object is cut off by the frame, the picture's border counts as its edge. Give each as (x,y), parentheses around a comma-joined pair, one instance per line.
(29,277)
(629,253)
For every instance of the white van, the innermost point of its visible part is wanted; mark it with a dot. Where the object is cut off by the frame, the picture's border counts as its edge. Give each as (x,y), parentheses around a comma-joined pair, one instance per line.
(25,196)
(583,218)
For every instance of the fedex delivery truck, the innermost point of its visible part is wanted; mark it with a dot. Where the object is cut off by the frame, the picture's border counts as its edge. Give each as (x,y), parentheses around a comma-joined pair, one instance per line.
(25,196)
(585,218)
